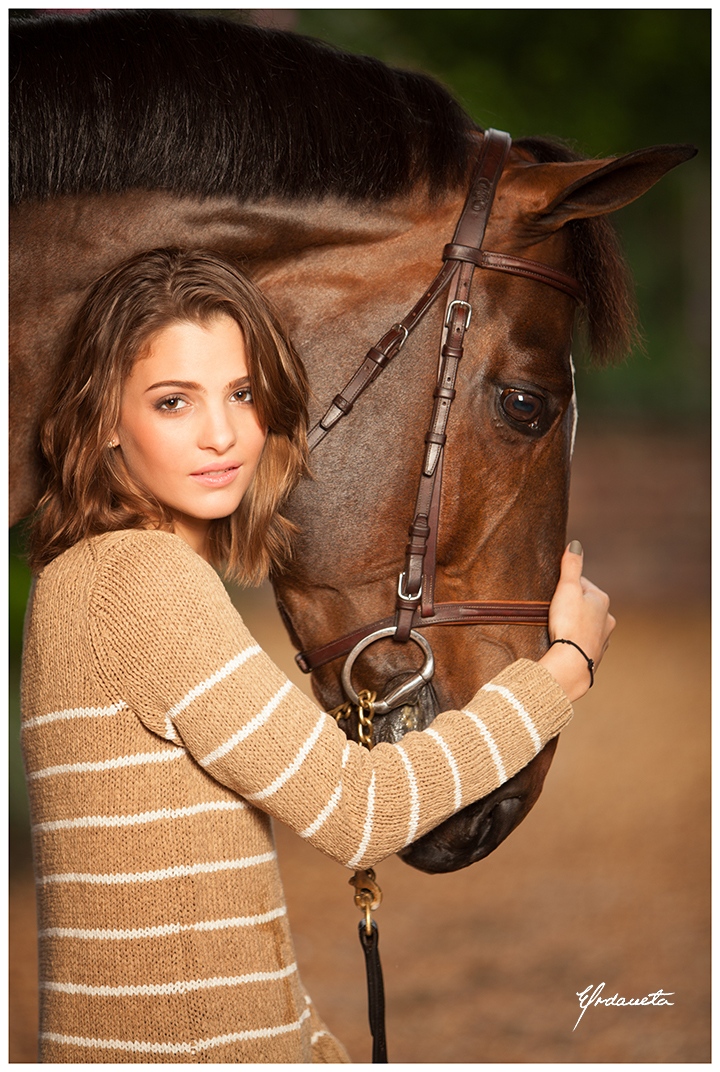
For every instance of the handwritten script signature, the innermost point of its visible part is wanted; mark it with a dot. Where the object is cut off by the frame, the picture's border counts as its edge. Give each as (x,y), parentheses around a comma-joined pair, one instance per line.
(587,999)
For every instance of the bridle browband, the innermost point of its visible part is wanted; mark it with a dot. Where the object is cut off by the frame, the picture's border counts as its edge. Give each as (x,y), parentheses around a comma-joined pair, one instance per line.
(415,606)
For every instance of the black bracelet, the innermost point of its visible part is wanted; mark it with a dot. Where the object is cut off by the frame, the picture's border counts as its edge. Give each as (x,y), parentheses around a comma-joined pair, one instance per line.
(591,664)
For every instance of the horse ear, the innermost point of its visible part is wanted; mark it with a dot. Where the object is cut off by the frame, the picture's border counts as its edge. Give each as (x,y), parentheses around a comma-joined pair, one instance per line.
(596,187)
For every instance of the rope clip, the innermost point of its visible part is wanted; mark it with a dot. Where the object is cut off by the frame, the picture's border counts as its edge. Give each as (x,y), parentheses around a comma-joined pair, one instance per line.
(368,894)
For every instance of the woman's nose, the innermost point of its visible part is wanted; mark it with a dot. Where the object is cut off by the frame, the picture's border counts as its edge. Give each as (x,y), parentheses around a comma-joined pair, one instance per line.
(217,431)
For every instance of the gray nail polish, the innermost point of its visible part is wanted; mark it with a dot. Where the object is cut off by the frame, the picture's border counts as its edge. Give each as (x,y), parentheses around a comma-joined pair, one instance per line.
(576,547)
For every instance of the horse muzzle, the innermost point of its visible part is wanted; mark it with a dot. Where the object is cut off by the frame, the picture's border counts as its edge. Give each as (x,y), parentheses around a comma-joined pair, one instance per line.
(476,831)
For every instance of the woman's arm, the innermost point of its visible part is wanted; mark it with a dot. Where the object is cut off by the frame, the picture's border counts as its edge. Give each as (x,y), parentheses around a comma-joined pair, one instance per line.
(169,643)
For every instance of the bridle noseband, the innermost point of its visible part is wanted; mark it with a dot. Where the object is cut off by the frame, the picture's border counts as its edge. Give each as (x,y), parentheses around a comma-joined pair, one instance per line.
(415,606)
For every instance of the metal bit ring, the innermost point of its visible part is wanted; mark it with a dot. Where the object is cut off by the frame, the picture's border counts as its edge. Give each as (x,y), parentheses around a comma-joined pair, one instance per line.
(397,697)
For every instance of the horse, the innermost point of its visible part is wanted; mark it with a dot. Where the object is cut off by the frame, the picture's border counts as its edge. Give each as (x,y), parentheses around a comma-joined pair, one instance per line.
(337,182)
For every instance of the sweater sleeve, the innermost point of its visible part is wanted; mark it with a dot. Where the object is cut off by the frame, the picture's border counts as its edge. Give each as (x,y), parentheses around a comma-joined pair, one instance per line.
(169,643)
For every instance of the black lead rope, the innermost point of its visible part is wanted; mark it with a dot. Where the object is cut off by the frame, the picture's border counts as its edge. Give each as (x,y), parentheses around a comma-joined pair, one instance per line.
(368,896)
(376,992)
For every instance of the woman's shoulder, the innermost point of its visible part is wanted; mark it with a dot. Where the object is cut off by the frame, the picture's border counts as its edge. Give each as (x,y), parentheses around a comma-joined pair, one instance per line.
(135,557)
(151,584)
(133,543)
(144,543)
(151,555)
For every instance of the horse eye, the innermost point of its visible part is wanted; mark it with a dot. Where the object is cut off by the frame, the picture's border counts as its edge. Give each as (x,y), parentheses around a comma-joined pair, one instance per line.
(521,406)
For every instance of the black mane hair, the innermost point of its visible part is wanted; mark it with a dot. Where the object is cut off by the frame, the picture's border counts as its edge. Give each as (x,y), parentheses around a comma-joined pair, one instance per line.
(122,100)
(205,105)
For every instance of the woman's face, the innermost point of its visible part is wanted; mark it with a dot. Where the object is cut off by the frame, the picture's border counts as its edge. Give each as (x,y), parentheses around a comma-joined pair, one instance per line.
(188,429)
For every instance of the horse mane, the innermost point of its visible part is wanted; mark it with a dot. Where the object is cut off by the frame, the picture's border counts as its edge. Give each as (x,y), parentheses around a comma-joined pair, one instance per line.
(123,100)
(208,106)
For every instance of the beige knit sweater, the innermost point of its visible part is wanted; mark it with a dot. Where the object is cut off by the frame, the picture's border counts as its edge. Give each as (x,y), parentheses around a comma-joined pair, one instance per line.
(158,740)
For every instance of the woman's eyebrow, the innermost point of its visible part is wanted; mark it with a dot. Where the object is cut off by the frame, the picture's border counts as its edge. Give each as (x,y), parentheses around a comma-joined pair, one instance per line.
(190,385)
(184,385)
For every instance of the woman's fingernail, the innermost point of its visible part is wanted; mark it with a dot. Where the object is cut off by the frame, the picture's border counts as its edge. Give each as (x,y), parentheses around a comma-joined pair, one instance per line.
(576,547)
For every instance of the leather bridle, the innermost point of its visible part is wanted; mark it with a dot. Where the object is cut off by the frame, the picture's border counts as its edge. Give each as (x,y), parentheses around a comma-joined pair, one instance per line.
(415,606)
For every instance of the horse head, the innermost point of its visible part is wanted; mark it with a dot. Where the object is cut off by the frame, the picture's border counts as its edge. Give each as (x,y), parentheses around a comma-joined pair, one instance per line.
(503,509)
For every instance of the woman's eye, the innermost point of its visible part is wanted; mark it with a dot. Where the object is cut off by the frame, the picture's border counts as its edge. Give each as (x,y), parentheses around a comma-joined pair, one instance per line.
(244,395)
(522,406)
(171,405)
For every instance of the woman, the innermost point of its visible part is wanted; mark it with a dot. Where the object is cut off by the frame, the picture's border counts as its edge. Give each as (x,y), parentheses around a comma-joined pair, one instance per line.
(158,738)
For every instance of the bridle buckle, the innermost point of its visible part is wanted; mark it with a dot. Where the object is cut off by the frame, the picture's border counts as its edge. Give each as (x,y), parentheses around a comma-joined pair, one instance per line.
(448,314)
(401,593)
(401,327)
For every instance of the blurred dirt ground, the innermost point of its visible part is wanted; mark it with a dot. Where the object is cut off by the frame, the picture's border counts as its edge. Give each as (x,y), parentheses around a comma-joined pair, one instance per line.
(606,882)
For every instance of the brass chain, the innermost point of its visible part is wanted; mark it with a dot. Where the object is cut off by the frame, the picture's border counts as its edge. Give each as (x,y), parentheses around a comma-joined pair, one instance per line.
(341,712)
(368,894)
(366,710)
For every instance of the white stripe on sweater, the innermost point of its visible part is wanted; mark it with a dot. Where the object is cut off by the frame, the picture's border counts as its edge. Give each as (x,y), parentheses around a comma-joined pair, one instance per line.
(324,814)
(293,767)
(156,876)
(142,817)
(453,766)
(164,931)
(176,1047)
(74,712)
(331,804)
(367,833)
(230,666)
(249,727)
(527,721)
(492,746)
(182,986)
(107,764)
(214,679)
(414,796)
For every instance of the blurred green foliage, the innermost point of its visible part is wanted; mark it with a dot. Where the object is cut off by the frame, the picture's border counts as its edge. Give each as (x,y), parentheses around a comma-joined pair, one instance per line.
(611,79)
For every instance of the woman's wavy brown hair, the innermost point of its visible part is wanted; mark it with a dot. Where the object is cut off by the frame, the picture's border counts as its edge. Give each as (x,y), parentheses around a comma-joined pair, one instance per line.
(89,489)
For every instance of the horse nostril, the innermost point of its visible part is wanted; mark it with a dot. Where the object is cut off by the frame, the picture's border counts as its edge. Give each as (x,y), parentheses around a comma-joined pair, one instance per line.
(466,837)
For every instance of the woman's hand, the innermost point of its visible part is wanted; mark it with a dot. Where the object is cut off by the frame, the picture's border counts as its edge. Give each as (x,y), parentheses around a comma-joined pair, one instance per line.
(579,612)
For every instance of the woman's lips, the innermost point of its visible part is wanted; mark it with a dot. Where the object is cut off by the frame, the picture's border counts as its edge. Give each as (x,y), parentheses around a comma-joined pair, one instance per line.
(216,478)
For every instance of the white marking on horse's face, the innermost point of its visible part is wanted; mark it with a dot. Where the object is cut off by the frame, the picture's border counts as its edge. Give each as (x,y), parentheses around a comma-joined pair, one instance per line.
(573,404)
